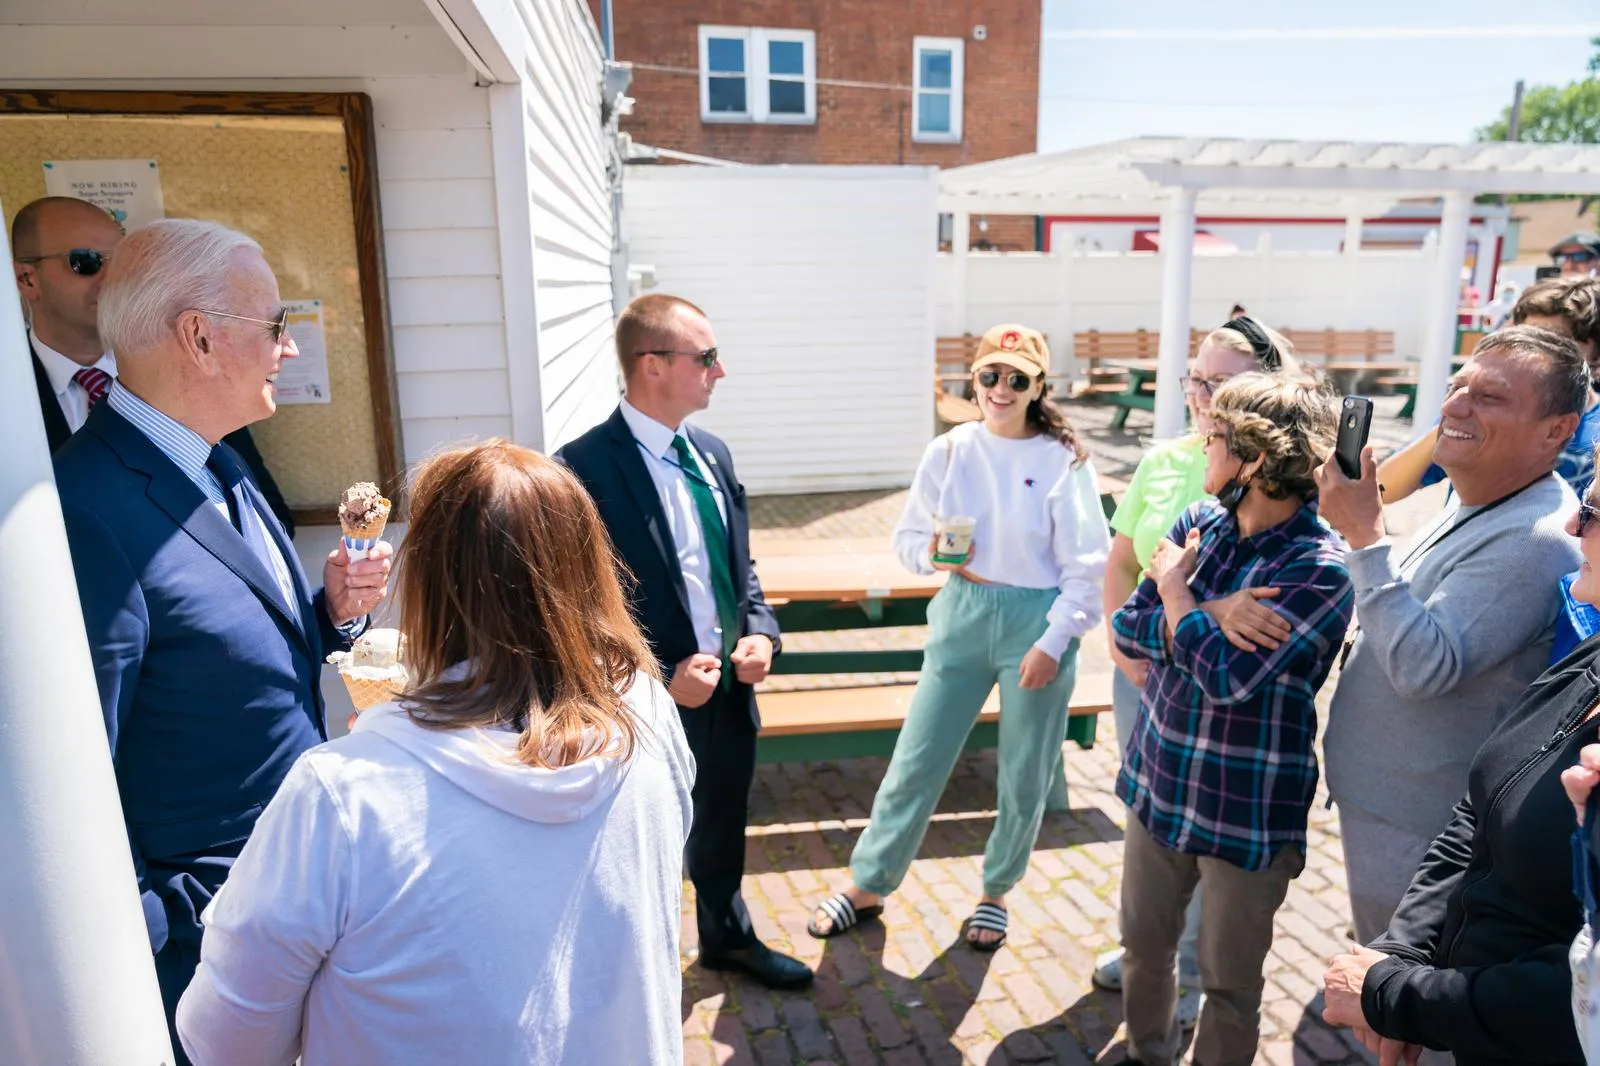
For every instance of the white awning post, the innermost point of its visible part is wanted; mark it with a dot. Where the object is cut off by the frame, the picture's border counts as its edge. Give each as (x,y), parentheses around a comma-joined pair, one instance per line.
(960,228)
(77,980)
(1352,269)
(1177,279)
(1439,330)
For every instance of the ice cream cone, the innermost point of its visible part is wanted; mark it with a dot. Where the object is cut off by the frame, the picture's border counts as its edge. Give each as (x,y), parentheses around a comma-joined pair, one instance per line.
(362,515)
(366,692)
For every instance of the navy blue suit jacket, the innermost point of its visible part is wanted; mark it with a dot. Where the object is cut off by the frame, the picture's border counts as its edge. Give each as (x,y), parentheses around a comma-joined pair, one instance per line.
(208,682)
(609,462)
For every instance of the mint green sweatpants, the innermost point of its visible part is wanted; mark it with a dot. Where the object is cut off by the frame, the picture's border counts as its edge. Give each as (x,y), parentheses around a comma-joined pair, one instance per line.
(977,636)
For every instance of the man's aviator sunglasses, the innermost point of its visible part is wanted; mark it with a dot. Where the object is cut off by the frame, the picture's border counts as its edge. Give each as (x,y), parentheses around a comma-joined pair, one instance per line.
(279,326)
(86,262)
(708,358)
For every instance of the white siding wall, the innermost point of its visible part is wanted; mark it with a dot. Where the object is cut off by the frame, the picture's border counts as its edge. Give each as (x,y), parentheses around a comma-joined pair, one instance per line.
(439,229)
(819,282)
(571,217)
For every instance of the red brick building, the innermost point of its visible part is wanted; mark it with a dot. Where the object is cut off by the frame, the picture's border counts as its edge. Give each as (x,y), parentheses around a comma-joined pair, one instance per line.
(931,82)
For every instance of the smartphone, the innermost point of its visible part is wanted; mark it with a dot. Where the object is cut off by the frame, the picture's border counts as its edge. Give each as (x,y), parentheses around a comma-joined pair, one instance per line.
(1355,422)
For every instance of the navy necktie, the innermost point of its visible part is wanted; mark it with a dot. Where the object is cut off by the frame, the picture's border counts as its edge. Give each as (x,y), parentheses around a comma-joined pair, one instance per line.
(243,512)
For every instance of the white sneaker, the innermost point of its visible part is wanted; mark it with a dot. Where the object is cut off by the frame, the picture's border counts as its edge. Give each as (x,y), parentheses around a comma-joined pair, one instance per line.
(1108,976)
(1108,971)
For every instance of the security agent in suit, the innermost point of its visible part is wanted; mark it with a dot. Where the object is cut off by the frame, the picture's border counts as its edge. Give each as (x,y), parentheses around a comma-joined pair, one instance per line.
(206,637)
(678,518)
(60,247)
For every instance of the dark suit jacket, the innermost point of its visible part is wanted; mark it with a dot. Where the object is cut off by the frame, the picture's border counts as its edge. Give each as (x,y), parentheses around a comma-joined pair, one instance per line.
(208,682)
(56,432)
(612,467)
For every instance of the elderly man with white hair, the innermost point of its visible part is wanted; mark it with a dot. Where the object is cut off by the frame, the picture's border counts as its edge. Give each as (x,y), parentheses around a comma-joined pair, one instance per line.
(207,639)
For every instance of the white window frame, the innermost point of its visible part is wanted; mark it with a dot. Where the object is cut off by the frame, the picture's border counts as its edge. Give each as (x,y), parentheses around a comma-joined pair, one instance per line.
(757,76)
(957,49)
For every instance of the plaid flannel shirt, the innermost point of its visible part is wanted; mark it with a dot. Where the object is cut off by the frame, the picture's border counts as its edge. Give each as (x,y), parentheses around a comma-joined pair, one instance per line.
(1221,762)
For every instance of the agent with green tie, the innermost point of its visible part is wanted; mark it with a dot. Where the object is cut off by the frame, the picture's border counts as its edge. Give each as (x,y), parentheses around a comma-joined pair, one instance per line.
(678,519)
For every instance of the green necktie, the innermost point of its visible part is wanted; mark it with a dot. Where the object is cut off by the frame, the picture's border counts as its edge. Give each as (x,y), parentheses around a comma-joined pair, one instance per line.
(715,535)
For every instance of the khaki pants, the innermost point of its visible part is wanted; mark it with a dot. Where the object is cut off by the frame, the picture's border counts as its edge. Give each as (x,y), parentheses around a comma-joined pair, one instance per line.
(1235,935)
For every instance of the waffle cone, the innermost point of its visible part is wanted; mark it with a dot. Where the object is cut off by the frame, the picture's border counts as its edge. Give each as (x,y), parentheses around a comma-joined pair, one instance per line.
(365,692)
(369,531)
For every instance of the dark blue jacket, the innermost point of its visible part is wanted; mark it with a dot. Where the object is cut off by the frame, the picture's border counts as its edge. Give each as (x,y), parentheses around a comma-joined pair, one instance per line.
(611,466)
(210,687)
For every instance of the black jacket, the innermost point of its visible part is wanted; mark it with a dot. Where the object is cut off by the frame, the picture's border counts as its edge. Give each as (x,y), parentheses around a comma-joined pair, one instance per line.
(56,434)
(1479,943)
(611,466)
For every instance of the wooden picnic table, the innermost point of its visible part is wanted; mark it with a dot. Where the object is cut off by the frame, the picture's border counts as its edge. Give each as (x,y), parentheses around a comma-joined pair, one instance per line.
(1133,395)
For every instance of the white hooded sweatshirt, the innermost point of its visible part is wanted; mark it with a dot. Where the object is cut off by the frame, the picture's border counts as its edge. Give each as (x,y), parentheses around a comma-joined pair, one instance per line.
(417,896)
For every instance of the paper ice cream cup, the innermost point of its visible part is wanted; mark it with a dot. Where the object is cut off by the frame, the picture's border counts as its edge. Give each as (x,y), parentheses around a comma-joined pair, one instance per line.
(953,538)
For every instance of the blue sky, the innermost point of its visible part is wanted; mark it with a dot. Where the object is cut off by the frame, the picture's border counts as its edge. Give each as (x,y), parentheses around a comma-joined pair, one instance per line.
(1392,70)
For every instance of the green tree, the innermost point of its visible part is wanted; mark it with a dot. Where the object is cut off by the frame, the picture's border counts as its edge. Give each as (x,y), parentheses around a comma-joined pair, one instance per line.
(1556,114)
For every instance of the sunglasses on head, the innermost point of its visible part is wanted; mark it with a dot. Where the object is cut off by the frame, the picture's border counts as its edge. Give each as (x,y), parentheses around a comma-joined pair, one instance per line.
(82,261)
(1016,380)
(708,358)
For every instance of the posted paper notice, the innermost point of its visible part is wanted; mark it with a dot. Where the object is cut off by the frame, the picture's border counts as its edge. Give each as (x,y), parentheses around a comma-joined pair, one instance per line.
(128,188)
(305,379)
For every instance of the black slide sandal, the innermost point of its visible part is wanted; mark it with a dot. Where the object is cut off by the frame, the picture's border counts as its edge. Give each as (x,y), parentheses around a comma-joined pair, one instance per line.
(843,914)
(991,918)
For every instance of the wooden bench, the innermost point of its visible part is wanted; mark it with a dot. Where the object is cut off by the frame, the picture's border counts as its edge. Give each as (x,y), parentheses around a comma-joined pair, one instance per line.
(842,723)
(1338,350)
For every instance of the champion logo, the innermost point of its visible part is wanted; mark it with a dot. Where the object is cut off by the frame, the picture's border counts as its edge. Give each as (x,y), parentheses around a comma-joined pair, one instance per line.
(1009,340)
(1028,481)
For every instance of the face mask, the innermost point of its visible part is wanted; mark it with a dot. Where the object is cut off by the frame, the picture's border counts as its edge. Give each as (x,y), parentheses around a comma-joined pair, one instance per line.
(1233,491)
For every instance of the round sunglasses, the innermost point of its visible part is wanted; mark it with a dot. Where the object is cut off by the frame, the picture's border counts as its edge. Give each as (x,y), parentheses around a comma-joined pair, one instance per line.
(86,262)
(1017,381)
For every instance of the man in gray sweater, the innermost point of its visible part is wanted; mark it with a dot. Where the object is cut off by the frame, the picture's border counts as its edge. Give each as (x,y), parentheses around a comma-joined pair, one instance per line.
(1452,625)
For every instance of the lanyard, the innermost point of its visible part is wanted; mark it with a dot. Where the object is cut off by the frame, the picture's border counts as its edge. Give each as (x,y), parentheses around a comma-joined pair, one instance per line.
(1428,545)
(1416,554)
(690,474)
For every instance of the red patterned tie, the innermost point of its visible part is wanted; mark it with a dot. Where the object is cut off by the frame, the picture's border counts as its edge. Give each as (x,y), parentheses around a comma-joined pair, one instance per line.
(95,382)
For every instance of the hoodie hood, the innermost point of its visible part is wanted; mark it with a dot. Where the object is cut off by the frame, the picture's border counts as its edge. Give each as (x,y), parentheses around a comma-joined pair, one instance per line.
(483,763)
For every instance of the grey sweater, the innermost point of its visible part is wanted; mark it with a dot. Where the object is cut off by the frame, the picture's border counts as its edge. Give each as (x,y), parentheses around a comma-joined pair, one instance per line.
(1440,656)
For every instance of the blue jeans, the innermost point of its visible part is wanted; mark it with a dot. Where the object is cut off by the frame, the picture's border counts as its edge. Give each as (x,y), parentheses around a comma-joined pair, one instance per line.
(1124,711)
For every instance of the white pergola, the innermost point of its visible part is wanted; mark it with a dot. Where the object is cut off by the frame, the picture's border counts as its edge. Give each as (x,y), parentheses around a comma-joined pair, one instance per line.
(1177,178)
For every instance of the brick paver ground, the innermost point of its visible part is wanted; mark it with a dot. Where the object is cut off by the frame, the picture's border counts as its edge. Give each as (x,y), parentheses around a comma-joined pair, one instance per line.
(908,990)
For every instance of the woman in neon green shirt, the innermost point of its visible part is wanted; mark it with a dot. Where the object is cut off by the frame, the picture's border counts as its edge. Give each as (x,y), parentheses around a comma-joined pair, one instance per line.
(1168,479)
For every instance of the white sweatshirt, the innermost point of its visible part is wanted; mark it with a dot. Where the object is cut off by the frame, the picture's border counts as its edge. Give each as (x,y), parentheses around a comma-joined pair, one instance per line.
(1039,521)
(413,896)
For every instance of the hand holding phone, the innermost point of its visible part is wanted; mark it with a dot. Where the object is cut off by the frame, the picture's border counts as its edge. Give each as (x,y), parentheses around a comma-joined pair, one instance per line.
(1355,423)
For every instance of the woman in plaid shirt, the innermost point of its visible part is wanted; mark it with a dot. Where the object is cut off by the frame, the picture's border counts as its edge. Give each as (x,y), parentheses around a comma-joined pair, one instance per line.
(1219,773)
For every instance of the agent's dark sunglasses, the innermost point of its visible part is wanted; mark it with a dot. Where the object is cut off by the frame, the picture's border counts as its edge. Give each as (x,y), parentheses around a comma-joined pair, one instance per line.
(85,262)
(708,358)
(1016,381)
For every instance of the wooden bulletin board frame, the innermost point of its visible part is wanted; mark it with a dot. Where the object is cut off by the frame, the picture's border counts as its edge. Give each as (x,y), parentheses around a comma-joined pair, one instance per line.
(355,112)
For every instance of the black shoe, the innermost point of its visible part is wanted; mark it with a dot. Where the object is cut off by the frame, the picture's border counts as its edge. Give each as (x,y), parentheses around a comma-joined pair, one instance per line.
(771,968)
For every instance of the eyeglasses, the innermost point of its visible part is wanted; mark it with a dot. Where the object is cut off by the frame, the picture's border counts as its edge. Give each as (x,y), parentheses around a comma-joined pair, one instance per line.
(279,326)
(1587,513)
(86,262)
(1205,385)
(1575,257)
(708,358)
(1016,381)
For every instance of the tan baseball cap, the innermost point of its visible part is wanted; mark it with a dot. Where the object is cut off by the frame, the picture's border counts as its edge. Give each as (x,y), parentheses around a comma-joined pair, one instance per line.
(1014,345)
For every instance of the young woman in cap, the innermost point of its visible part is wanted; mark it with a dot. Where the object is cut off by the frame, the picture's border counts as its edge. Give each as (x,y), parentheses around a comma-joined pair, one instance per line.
(1011,614)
